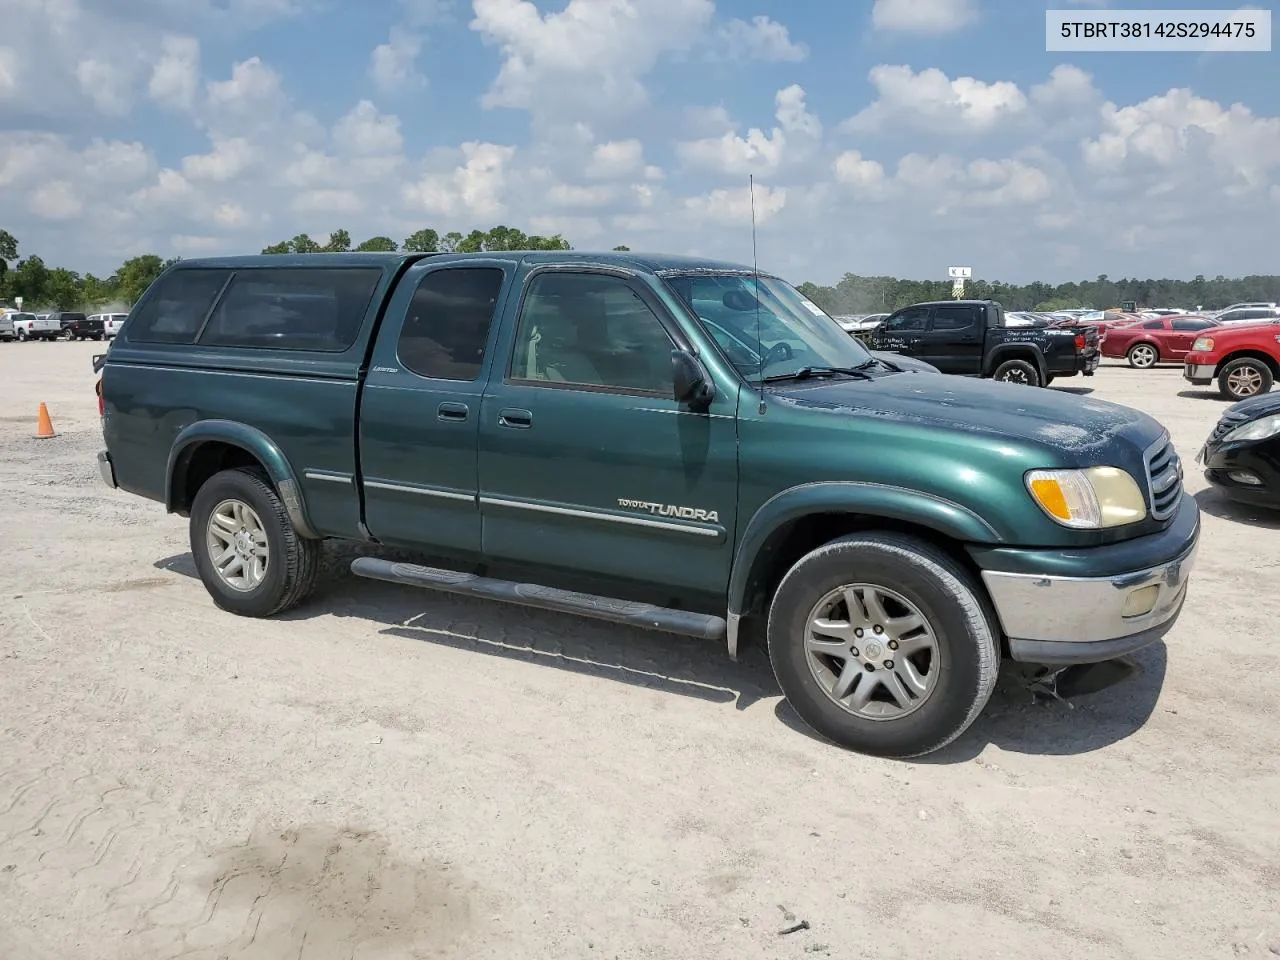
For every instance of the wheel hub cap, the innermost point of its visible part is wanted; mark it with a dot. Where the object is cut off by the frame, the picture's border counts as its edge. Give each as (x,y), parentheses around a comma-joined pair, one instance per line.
(236,542)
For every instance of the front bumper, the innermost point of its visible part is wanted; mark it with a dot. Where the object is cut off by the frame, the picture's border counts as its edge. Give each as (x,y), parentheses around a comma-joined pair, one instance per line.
(106,469)
(1198,373)
(1057,619)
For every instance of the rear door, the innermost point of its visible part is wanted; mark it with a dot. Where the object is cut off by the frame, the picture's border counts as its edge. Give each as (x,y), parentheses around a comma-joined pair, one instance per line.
(954,339)
(420,412)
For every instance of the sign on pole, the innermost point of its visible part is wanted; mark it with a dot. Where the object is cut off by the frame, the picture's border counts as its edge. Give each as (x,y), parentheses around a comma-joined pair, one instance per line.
(960,273)
(17,302)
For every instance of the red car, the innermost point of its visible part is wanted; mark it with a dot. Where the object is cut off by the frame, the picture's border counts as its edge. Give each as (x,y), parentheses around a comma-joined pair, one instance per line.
(1148,342)
(1243,358)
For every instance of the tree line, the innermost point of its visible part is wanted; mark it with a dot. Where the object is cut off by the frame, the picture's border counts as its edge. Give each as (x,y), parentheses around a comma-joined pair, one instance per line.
(864,295)
(45,287)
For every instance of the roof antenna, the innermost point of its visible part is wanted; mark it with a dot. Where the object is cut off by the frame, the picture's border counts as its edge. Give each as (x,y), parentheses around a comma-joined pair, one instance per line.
(755,272)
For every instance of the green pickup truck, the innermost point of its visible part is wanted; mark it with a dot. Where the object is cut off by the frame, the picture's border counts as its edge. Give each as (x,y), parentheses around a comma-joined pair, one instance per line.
(672,443)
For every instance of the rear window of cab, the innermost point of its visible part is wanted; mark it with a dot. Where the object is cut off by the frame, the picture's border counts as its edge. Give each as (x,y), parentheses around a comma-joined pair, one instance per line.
(318,309)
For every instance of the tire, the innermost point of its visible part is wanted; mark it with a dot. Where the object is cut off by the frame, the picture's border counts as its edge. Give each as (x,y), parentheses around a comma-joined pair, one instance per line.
(22,336)
(1142,356)
(1018,371)
(965,647)
(1048,380)
(1243,378)
(292,563)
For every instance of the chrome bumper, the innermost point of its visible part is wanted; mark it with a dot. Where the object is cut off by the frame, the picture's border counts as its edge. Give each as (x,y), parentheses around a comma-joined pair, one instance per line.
(1062,620)
(1197,371)
(106,469)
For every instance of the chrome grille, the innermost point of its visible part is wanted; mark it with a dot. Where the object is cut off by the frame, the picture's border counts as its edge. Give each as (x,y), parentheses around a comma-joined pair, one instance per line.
(1229,420)
(1164,478)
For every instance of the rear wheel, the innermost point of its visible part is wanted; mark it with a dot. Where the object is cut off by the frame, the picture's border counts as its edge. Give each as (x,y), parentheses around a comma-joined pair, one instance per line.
(1018,371)
(1243,378)
(1143,355)
(250,559)
(883,644)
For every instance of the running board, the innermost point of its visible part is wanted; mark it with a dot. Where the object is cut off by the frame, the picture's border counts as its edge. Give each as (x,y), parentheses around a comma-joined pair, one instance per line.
(643,615)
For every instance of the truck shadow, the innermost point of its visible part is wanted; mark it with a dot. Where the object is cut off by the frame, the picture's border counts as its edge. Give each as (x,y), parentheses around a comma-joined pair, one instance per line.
(1214,503)
(1205,394)
(1014,720)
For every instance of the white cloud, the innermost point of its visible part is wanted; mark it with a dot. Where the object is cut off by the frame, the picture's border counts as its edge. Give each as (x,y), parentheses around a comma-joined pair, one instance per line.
(367,132)
(474,188)
(923,16)
(56,200)
(589,57)
(757,152)
(930,100)
(733,207)
(227,160)
(175,77)
(617,158)
(108,83)
(759,39)
(252,86)
(574,195)
(393,64)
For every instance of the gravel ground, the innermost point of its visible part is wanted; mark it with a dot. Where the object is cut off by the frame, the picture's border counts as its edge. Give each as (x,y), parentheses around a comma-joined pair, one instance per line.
(390,773)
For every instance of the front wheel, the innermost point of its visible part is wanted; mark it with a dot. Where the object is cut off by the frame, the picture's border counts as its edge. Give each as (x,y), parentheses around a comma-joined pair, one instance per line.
(1018,371)
(22,336)
(883,644)
(249,557)
(1244,378)
(1143,355)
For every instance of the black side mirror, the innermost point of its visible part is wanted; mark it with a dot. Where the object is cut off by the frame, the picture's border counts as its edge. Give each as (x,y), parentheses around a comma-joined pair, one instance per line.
(690,380)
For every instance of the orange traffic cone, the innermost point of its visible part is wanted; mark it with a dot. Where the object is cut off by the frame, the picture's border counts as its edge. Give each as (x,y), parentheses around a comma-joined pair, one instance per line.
(44,426)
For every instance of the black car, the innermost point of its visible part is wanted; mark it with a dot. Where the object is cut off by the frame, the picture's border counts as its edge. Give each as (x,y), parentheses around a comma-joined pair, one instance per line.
(1242,455)
(76,326)
(974,338)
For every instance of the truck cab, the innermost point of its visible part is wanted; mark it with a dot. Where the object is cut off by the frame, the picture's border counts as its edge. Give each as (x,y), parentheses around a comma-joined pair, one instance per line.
(669,443)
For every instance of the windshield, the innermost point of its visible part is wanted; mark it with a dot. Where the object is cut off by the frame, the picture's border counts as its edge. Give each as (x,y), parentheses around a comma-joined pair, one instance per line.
(794,333)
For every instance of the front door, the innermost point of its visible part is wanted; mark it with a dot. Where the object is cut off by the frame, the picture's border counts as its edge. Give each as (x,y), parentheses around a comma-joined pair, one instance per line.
(955,339)
(420,416)
(903,332)
(1183,334)
(587,464)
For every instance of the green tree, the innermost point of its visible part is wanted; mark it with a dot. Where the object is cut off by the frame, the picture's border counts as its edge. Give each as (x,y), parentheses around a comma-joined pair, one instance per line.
(378,245)
(63,289)
(96,292)
(423,241)
(622,248)
(451,242)
(136,274)
(8,251)
(303,244)
(339,242)
(279,248)
(30,281)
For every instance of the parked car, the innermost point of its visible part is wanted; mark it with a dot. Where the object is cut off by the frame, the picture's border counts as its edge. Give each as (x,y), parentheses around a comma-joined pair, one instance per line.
(31,326)
(1244,359)
(1148,342)
(685,445)
(111,322)
(1241,457)
(1248,315)
(7,332)
(76,326)
(972,337)
(1250,305)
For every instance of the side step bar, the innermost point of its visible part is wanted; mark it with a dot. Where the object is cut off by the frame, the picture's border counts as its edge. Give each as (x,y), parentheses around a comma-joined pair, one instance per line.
(643,615)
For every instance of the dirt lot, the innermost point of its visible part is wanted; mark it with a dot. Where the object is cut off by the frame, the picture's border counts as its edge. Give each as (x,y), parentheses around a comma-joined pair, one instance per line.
(390,773)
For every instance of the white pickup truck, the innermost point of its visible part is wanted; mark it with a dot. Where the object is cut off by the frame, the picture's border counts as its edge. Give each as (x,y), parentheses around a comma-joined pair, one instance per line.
(111,322)
(29,326)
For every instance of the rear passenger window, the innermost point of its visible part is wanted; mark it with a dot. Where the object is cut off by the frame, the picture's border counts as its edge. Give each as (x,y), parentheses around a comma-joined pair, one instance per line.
(953,318)
(174,310)
(1191,325)
(305,308)
(447,327)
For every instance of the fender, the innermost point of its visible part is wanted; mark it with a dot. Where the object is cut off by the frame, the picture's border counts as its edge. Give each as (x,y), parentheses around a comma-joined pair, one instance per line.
(253,441)
(997,356)
(853,497)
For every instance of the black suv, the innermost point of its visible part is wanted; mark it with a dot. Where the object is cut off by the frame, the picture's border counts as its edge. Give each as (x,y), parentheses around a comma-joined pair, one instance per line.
(971,337)
(77,326)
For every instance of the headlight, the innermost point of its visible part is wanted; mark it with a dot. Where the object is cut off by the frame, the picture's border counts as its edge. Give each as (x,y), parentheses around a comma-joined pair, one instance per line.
(1088,499)
(1258,430)
(1202,345)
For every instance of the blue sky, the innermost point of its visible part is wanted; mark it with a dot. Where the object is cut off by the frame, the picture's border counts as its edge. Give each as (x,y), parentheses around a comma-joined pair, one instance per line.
(893,136)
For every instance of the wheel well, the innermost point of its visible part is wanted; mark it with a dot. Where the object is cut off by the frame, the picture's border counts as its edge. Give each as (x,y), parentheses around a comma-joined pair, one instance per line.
(1268,361)
(200,463)
(789,543)
(1016,353)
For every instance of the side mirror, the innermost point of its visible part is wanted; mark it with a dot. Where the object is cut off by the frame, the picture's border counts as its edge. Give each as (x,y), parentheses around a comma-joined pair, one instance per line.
(690,381)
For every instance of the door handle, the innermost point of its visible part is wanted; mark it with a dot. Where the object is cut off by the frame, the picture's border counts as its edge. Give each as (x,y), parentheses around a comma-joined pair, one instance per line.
(515,418)
(451,411)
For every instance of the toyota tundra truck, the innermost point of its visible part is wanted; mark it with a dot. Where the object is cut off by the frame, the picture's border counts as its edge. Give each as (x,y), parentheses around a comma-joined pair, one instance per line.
(675,444)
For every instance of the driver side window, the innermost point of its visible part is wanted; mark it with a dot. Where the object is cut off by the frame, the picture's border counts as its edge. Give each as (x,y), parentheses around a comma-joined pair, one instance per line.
(588,331)
(911,319)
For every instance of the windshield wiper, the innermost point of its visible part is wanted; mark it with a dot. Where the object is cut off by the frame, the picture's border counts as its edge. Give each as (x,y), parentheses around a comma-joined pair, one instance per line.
(807,373)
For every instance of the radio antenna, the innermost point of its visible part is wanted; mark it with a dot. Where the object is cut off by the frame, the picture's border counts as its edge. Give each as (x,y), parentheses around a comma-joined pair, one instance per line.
(755,275)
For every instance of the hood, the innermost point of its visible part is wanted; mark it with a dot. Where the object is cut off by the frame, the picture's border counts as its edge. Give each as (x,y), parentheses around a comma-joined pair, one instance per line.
(1081,430)
(905,364)
(1263,405)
